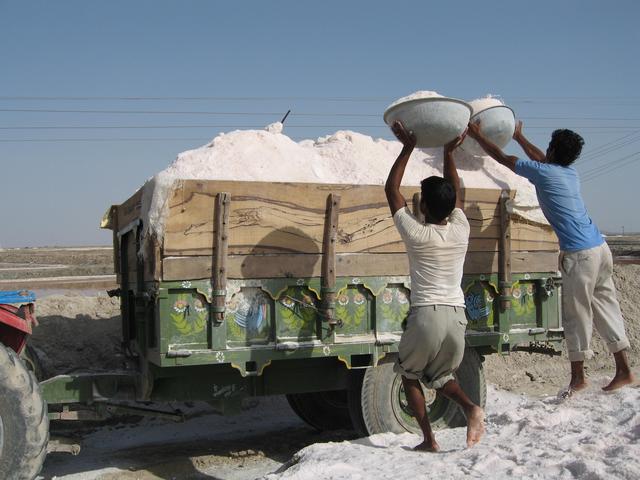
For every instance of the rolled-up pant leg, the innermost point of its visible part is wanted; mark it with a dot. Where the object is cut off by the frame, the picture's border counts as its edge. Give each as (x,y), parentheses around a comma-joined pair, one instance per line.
(588,299)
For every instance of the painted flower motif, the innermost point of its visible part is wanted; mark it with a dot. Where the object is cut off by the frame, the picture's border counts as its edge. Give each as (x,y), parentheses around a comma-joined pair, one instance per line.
(527,276)
(180,306)
(489,297)
(186,284)
(356,281)
(401,296)
(343,299)
(199,306)
(482,277)
(308,301)
(387,296)
(300,281)
(232,305)
(516,293)
(326,350)
(220,357)
(288,302)
(358,299)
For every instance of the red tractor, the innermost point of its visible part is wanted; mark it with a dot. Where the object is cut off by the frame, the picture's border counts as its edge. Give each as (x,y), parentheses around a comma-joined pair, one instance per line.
(24,423)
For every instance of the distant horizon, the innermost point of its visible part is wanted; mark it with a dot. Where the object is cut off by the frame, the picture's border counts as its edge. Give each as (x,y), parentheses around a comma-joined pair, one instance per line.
(97,246)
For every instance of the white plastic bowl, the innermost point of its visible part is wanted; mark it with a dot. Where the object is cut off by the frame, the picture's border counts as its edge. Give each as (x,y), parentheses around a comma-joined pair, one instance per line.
(434,120)
(497,123)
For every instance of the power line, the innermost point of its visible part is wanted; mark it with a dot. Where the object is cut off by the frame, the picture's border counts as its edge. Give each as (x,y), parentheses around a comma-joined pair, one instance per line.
(608,119)
(300,114)
(629,101)
(57,140)
(289,125)
(183,112)
(203,98)
(152,127)
(613,146)
(609,167)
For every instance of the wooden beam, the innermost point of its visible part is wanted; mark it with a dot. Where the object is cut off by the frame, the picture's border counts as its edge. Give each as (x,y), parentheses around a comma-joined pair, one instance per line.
(219,277)
(504,267)
(329,258)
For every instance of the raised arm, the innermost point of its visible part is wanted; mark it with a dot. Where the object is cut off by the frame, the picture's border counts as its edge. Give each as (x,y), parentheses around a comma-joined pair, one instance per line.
(392,186)
(491,148)
(533,152)
(449,169)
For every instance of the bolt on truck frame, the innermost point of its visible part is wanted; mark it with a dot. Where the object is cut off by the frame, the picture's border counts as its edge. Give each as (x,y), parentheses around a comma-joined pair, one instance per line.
(301,289)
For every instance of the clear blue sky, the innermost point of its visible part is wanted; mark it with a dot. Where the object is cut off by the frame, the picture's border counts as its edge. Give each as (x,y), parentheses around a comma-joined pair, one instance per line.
(570,64)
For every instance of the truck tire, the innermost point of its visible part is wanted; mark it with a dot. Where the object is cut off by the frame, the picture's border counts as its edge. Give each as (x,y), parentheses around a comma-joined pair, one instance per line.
(24,423)
(377,403)
(322,410)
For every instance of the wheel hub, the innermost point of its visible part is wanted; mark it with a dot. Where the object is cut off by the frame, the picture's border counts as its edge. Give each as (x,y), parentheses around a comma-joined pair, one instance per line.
(434,404)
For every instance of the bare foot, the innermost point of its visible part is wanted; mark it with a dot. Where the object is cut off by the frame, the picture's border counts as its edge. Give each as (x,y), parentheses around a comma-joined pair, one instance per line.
(475,425)
(577,386)
(571,389)
(427,447)
(619,381)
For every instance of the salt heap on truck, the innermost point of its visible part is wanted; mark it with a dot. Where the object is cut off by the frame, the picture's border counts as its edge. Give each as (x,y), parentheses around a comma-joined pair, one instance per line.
(348,160)
(346,157)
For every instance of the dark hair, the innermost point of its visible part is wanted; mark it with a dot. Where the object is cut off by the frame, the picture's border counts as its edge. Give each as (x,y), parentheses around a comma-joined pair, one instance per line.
(566,145)
(439,196)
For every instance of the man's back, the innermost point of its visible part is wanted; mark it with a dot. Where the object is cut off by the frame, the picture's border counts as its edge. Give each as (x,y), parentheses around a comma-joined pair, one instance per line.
(558,190)
(436,257)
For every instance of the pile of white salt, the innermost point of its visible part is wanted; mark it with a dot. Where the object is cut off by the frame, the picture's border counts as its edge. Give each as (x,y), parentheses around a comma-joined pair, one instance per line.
(346,157)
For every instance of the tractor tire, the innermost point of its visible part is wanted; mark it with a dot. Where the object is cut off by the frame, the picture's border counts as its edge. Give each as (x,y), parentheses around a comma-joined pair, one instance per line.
(24,423)
(322,410)
(377,403)
(30,356)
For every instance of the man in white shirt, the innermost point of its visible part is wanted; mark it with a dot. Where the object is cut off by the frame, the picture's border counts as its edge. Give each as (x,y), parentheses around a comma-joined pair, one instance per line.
(432,345)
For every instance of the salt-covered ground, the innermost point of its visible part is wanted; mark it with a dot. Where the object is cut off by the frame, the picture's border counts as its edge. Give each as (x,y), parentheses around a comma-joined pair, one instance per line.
(593,435)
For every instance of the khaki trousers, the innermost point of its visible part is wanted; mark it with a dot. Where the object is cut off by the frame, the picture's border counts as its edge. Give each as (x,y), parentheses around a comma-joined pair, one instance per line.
(588,300)
(432,345)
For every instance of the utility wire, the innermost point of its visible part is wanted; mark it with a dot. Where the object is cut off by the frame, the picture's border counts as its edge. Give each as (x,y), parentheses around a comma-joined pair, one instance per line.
(610,147)
(59,140)
(182,112)
(609,167)
(379,125)
(152,127)
(204,98)
(276,114)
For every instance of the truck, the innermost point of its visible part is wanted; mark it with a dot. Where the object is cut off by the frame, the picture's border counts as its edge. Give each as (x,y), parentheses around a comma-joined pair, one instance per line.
(295,289)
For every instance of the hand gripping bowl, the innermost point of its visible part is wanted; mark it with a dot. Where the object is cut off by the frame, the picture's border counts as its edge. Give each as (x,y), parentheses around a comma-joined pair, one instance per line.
(497,123)
(434,120)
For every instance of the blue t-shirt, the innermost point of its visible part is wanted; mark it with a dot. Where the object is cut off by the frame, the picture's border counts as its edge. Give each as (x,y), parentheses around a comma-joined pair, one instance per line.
(558,190)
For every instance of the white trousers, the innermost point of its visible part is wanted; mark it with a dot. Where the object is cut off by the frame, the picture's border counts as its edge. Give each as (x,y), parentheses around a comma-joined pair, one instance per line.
(588,300)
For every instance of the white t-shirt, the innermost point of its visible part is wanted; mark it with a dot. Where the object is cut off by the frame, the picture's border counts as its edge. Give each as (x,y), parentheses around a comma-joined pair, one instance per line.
(436,257)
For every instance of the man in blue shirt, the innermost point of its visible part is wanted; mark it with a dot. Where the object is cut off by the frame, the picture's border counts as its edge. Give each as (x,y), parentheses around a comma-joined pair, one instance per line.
(589,295)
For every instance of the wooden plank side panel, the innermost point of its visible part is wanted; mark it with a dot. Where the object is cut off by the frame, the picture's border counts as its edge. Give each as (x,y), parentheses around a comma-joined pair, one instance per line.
(289,218)
(358,264)
(277,218)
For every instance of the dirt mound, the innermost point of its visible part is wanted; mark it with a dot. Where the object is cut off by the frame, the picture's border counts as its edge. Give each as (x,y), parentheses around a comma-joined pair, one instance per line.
(77,333)
(531,373)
